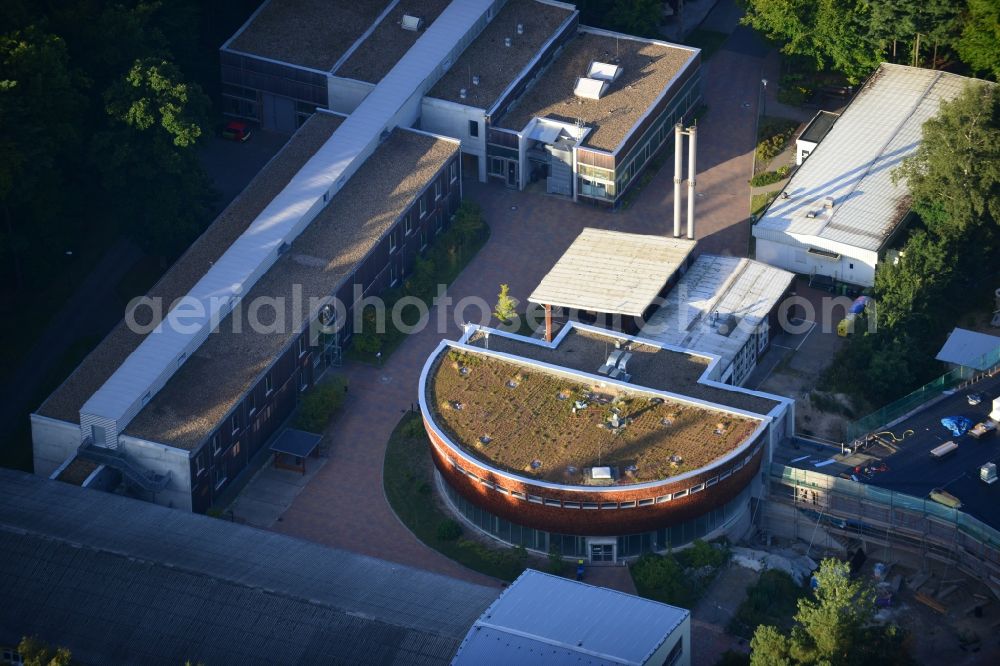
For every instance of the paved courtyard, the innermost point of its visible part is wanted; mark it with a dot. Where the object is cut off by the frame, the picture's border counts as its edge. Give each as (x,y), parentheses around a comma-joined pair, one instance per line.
(344,505)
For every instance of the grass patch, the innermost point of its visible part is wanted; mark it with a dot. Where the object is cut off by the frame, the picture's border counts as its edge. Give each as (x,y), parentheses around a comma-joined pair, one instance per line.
(758,202)
(680,578)
(773,600)
(449,253)
(709,41)
(407,477)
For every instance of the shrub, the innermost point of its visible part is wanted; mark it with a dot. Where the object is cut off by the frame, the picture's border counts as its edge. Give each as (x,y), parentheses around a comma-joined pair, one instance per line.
(703,554)
(449,530)
(768,177)
(320,404)
(770,148)
(556,563)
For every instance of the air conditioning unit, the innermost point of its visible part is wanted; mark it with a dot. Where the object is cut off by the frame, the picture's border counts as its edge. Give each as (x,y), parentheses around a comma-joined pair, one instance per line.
(412,23)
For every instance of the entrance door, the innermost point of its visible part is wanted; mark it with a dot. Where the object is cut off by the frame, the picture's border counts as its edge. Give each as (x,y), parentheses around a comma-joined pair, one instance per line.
(511,173)
(279,113)
(602,552)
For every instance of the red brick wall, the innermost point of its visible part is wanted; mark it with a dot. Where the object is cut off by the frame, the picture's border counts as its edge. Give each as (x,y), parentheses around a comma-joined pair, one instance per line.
(591,522)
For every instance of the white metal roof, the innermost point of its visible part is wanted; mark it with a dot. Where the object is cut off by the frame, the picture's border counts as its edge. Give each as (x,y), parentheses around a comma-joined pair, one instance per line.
(546,619)
(971,349)
(149,367)
(612,272)
(590,88)
(854,162)
(711,289)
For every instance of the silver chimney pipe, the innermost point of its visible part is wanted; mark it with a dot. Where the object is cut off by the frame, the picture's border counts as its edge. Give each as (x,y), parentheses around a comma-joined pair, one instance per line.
(692,140)
(678,173)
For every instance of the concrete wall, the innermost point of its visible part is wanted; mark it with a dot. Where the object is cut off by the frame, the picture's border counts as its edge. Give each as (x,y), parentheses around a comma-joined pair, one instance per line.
(856,266)
(52,442)
(450,119)
(162,459)
(346,94)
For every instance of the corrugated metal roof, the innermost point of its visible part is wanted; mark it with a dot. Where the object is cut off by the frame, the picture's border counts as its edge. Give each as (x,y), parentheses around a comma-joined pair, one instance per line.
(148,368)
(711,289)
(123,581)
(612,272)
(970,349)
(854,163)
(545,619)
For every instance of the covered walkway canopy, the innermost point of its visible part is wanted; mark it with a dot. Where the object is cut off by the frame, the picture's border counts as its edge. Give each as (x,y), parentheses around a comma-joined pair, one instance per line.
(296,445)
(611,272)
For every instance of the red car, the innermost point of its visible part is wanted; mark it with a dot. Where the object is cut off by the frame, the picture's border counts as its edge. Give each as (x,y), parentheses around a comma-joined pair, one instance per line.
(236,130)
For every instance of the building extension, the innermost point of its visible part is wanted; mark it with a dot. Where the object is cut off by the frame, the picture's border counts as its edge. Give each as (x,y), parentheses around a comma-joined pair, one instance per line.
(544,619)
(841,212)
(533,96)
(599,444)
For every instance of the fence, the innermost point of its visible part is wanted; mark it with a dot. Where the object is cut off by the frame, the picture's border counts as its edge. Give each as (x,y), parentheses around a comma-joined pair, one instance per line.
(906,404)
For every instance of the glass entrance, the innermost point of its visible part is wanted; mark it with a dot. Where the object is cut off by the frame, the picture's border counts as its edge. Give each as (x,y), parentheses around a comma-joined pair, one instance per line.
(602,552)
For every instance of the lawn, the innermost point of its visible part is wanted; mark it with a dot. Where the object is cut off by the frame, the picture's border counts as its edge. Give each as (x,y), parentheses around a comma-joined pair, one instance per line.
(541,425)
(407,478)
(758,202)
(773,600)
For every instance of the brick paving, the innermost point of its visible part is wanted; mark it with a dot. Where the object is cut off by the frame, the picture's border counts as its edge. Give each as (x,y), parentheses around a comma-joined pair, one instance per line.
(344,505)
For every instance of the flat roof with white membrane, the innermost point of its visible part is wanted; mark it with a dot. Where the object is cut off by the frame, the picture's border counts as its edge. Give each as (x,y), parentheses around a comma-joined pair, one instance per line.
(612,272)
(148,368)
(854,162)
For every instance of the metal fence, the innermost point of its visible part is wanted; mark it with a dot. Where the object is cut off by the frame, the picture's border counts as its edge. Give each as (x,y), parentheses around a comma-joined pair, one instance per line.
(906,404)
(890,500)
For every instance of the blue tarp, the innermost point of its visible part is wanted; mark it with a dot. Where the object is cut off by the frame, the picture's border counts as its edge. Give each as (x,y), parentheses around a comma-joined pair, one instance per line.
(959,425)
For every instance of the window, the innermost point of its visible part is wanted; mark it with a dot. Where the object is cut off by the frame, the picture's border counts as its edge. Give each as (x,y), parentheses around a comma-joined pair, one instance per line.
(303,347)
(303,380)
(199,464)
(551,502)
(236,422)
(392,274)
(628,505)
(646,502)
(437,195)
(251,403)
(675,653)
(498,166)
(423,207)
(851,265)
(473,128)
(609,505)
(268,384)
(408,220)
(439,223)
(220,476)
(534,499)
(423,239)
(392,241)
(235,449)
(453,172)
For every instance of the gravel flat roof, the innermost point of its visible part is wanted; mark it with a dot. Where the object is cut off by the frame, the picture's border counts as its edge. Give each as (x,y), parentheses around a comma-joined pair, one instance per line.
(497,65)
(647,69)
(65,402)
(309,33)
(216,377)
(650,366)
(77,471)
(528,420)
(382,49)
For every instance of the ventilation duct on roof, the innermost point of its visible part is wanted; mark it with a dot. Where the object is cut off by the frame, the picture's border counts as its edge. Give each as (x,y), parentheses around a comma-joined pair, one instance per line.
(412,23)
(590,88)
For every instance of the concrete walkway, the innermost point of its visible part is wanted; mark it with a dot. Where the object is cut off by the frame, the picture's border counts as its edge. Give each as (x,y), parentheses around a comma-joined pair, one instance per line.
(344,505)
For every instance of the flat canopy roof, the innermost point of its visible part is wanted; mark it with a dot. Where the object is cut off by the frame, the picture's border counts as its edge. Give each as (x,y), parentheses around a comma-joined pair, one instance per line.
(971,349)
(612,272)
(298,443)
(818,127)
(546,619)
(308,33)
(711,290)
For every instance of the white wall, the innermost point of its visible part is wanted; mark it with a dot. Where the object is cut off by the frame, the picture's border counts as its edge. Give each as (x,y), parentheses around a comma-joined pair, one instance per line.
(345,94)
(855,265)
(52,442)
(163,459)
(803,147)
(681,633)
(450,119)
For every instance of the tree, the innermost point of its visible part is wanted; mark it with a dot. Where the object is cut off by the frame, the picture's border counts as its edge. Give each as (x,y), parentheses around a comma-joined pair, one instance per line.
(36,653)
(979,43)
(506,308)
(834,627)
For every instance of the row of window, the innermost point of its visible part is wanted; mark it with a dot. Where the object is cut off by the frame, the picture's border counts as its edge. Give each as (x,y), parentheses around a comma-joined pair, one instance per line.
(630,504)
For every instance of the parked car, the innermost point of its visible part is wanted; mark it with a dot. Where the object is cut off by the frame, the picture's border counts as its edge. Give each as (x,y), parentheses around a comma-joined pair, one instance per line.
(236,130)
(974,398)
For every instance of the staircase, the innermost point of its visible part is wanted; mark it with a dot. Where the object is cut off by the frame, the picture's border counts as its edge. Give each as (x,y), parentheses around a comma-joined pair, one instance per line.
(115,458)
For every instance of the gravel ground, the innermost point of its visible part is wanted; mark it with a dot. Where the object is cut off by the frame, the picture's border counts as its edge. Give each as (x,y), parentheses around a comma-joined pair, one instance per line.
(310,33)
(65,402)
(646,72)
(375,56)
(327,253)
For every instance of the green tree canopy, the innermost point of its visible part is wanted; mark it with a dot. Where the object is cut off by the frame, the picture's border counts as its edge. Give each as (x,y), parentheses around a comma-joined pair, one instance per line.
(979,43)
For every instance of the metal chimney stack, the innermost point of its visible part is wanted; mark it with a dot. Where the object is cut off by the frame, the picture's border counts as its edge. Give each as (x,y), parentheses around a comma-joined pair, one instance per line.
(692,133)
(692,140)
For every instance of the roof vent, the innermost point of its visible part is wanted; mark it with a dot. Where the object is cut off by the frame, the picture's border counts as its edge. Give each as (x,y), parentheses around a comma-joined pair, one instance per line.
(412,23)
(785,195)
(520,28)
(828,202)
(507,41)
(811,214)
(603,71)
(283,248)
(463,93)
(590,88)
(475,79)
(727,324)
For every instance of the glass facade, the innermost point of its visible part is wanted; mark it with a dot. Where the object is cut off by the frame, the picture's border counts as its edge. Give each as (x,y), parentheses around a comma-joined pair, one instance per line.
(569,545)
